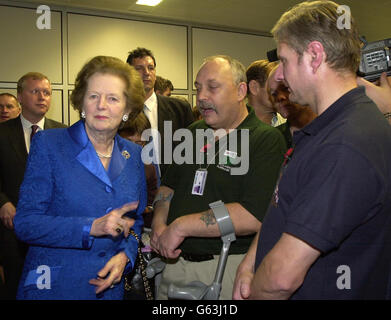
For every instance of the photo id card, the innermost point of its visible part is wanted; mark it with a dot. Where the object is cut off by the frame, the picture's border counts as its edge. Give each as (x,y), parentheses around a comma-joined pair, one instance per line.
(199,182)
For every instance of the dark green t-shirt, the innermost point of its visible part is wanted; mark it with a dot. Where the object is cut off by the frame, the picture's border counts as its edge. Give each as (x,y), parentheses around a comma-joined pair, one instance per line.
(252,190)
(286,132)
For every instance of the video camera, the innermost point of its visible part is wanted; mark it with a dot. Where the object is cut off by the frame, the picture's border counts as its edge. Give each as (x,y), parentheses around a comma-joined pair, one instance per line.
(375,59)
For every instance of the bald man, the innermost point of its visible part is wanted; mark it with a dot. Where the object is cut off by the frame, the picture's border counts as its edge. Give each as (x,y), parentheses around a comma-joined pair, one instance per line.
(9,107)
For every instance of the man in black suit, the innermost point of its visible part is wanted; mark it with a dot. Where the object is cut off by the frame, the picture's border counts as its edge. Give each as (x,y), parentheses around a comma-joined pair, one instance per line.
(158,108)
(34,95)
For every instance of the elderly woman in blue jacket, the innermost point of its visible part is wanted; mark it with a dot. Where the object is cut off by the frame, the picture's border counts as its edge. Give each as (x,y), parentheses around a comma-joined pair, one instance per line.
(83,190)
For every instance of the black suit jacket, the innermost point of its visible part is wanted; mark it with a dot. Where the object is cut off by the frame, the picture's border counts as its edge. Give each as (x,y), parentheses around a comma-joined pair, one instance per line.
(13,157)
(179,113)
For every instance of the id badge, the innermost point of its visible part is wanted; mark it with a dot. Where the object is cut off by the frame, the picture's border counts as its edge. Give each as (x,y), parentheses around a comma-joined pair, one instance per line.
(199,182)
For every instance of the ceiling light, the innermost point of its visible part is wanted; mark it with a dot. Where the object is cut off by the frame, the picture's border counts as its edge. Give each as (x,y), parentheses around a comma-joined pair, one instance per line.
(148,2)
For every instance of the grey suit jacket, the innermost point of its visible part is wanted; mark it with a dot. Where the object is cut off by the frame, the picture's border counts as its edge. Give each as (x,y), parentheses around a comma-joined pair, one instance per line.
(13,157)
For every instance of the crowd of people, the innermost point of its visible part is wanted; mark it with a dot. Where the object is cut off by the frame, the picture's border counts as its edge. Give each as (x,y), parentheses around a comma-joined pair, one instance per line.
(298,151)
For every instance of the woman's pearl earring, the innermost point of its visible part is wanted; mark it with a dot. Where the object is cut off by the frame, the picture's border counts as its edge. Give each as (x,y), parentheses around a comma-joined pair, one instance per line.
(125,118)
(83,114)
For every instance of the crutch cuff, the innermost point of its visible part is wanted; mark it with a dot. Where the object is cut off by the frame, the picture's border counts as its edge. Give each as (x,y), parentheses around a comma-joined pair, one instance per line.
(223,220)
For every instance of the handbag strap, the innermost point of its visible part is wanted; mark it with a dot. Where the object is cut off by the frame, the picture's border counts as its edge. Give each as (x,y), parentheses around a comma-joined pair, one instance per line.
(147,288)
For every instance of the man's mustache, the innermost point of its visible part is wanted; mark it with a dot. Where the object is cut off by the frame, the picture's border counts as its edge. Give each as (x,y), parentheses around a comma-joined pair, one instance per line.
(206,105)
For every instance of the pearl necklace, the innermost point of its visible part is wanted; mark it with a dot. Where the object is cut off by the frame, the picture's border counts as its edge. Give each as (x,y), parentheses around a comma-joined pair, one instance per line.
(108,156)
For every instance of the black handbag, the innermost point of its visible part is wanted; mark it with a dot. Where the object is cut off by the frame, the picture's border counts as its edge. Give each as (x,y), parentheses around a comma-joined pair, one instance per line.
(137,285)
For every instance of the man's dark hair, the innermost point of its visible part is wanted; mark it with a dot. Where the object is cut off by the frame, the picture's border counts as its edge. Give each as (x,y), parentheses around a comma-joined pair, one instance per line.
(140,53)
(169,85)
(259,71)
(162,84)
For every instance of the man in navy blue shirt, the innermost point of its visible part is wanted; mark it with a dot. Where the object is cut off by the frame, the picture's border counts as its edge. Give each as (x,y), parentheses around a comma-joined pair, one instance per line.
(327,234)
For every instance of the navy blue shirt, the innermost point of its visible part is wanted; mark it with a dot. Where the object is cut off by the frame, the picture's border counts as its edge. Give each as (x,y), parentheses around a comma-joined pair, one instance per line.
(335,195)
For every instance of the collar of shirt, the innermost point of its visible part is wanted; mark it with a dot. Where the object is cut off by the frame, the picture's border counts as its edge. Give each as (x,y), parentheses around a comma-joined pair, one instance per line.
(330,114)
(27,124)
(277,120)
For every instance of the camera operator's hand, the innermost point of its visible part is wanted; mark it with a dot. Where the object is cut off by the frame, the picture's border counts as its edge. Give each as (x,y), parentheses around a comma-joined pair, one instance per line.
(380,94)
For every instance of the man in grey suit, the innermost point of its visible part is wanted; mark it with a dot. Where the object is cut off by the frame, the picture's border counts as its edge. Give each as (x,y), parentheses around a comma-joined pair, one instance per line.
(34,95)
(158,108)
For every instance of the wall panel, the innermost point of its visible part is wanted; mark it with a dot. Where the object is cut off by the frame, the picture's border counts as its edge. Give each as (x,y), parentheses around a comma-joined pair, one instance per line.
(89,36)
(243,47)
(28,48)
(76,36)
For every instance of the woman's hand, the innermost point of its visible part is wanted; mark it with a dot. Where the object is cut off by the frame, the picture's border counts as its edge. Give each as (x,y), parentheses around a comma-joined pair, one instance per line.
(111,273)
(114,223)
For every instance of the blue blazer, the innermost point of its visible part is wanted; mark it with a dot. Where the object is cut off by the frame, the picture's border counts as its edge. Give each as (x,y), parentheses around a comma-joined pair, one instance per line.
(65,189)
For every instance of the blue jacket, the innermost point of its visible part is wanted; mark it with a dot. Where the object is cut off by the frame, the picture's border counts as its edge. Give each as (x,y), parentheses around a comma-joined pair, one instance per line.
(65,189)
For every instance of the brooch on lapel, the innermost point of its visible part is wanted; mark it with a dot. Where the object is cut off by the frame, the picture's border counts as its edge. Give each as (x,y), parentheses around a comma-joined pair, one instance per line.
(126,154)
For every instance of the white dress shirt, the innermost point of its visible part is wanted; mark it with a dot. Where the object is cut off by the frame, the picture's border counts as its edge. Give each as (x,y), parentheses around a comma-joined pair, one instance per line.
(150,110)
(27,129)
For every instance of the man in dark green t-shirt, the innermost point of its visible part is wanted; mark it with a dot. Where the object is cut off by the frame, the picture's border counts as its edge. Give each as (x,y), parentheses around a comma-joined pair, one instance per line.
(240,172)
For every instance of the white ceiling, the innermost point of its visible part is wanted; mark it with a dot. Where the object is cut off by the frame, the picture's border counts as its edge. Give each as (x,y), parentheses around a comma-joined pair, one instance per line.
(256,16)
